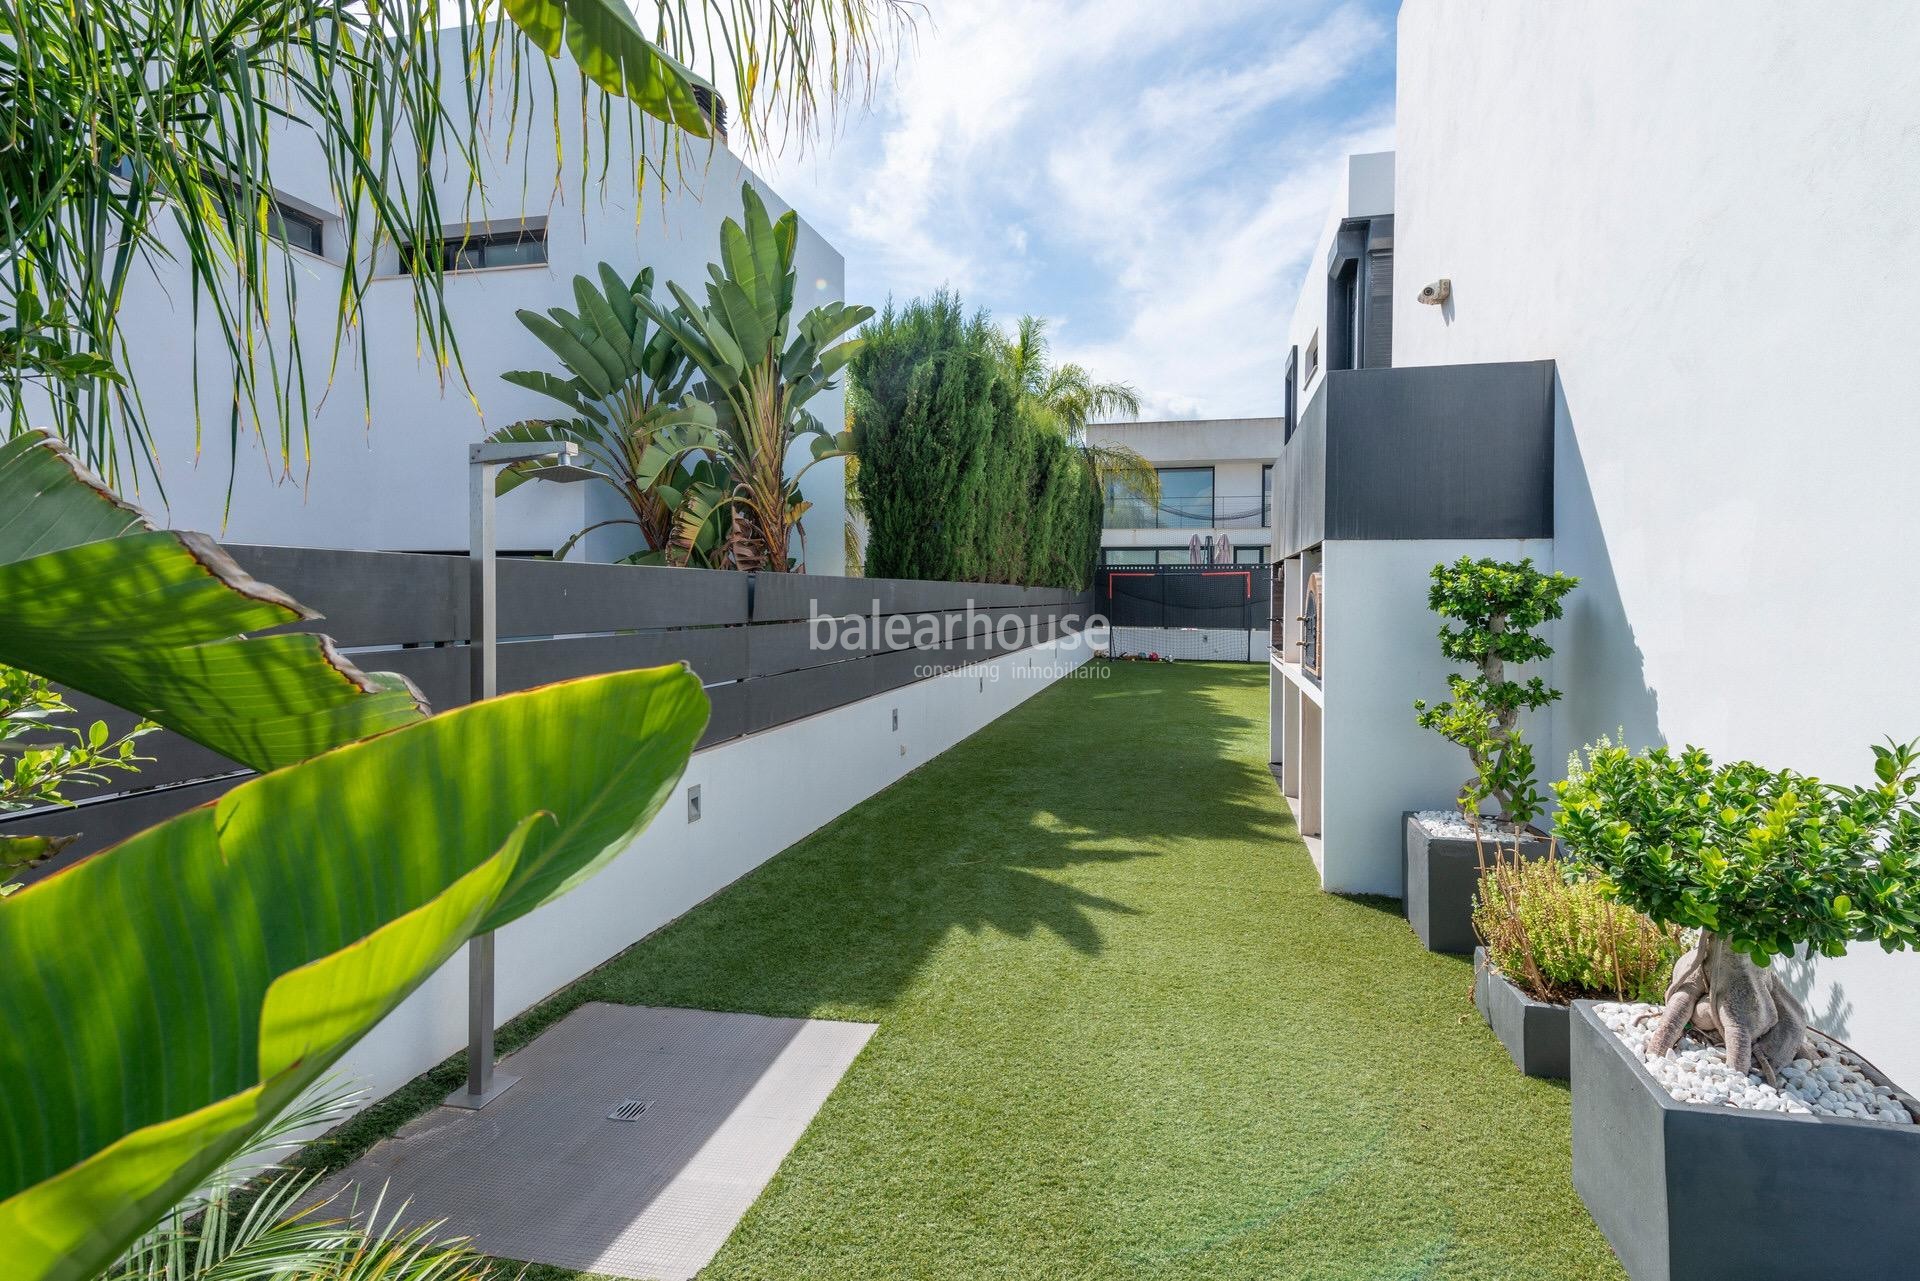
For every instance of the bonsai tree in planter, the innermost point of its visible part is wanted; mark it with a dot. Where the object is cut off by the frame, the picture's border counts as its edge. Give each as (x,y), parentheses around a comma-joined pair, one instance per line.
(1761,862)
(1495,609)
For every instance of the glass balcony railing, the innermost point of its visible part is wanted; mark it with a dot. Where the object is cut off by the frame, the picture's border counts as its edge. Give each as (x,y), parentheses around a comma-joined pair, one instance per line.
(1222,511)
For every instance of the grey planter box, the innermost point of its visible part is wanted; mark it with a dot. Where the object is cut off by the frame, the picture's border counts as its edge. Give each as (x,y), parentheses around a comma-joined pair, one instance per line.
(1442,874)
(1534,1032)
(1697,1191)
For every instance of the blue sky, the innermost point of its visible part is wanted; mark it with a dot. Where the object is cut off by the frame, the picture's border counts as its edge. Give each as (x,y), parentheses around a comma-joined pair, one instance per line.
(1149,176)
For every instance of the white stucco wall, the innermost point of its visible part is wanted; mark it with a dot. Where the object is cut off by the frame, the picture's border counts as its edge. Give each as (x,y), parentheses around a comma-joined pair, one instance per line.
(1706,215)
(756,800)
(1383,652)
(396,480)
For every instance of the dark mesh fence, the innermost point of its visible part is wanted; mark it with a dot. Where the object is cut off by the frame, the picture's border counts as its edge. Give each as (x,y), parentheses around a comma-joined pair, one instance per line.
(1186,611)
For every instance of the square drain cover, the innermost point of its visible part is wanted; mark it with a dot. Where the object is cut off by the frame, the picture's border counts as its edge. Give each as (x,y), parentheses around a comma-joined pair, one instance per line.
(628,1110)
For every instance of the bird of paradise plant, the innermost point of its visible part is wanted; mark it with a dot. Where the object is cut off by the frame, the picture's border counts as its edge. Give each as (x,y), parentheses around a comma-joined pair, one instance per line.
(627,391)
(760,367)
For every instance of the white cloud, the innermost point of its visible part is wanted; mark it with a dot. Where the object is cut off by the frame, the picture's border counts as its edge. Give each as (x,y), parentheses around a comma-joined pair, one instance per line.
(1151,175)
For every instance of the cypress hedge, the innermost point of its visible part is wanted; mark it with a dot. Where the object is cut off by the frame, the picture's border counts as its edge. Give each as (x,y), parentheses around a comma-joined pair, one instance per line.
(959,479)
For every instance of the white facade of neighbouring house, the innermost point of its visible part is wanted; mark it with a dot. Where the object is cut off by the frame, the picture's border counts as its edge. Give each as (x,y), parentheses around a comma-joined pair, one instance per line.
(392,475)
(1214,476)
(1703,226)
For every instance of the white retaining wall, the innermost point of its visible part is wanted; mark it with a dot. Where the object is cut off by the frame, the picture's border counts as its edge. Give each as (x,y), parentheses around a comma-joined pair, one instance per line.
(759,795)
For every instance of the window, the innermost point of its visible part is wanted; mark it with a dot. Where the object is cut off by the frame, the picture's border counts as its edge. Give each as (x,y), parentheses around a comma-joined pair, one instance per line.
(1313,357)
(1343,317)
(477,251)
(285,223)
(1186,497)
(1127,509)
(293,227)
(1145,556)
(1360,295)
(1291,403)
(1249,555)
(1266,497)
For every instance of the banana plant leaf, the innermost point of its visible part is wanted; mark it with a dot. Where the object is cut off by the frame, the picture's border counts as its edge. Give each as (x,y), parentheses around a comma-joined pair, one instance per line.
(166,999)
(616,55)
(152,620)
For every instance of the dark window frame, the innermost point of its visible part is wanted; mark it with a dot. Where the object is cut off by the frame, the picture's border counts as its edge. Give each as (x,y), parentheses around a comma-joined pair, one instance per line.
(1359,320)
(1213,496)
(281,216)
(1291,407)
(452,251)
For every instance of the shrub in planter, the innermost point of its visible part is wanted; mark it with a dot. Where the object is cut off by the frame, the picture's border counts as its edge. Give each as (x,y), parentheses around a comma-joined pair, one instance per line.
(1762,862)
(1552,939)
(1561,938)
(1493,611)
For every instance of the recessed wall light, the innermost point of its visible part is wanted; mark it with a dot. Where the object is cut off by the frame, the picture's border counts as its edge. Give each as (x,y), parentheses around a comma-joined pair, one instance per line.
(693,803)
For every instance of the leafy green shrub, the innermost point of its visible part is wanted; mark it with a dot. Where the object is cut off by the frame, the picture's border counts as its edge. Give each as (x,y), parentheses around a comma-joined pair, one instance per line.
(1561,939)
(39,758)
(1765,860)
(1497,606)
(960,478)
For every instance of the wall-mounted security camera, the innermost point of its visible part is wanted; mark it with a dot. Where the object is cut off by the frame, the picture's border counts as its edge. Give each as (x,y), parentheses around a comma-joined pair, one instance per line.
(1437,292)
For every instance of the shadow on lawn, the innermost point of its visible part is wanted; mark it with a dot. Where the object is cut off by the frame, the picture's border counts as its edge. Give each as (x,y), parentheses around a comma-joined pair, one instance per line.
(987,839)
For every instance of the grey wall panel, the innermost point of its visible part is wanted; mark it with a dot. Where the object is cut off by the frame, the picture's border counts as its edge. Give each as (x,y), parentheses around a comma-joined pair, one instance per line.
(108,822)
(728,718)
(714,653)
(1446,451)
(388,598)
(1300,479)
(406,613)
(367,598)
(173,759)
(776,700)
(438,671)
(789,597)
(786,597)
(538,597)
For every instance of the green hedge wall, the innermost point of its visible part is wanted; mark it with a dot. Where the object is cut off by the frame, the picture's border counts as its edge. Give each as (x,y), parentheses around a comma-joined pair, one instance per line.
(958,479)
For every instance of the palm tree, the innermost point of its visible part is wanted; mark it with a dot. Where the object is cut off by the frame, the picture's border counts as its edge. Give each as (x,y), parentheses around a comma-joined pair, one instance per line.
(1066,398)
(135,131)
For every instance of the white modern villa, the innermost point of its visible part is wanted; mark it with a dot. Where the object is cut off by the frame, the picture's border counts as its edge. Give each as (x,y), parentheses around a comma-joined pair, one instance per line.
(1663,363)
(1216,491)
(396,480)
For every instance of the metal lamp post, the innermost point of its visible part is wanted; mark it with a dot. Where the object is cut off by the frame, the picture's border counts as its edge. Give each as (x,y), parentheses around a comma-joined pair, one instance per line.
(484,462)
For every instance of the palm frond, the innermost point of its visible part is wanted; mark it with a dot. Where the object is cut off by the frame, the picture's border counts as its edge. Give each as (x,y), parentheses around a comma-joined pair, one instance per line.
(137,136)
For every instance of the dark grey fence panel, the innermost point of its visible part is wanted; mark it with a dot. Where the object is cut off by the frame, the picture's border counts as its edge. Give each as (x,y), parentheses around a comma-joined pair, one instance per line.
(746,636)
(715,654)
(110,820)
(728,718)
(542,597)
(172,759)
(368,598)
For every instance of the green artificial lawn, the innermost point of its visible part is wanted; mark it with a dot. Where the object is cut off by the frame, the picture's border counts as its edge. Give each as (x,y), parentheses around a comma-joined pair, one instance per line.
(1122,1032)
